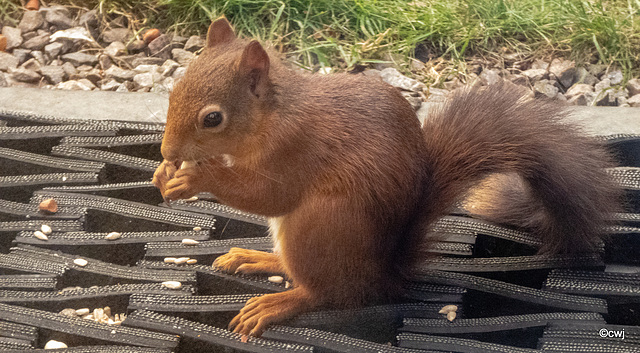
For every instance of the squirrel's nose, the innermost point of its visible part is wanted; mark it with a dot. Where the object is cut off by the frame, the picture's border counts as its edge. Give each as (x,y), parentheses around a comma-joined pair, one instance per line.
(168,152)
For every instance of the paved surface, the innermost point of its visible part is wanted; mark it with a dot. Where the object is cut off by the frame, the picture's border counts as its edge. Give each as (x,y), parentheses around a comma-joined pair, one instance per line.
(99,105)
(150,107)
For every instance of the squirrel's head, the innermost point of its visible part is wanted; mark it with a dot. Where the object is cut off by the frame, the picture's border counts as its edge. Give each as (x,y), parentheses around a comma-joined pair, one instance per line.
(220,103)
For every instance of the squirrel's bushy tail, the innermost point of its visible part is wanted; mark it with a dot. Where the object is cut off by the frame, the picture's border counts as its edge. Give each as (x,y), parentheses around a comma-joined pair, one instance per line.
(497,129)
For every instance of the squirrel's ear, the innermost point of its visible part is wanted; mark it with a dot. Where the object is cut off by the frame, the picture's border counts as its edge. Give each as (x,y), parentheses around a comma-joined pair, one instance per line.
(220,31)
(255,62)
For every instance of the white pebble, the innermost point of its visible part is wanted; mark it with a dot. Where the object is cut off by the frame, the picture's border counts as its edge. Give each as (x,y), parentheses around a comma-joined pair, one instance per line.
(192,261)
(188,241)
(188,164)
(181,260)
(46,229)
(83,311)
(276,279)
(55,345)
(81,262)
(169,260)
(88,317)
(448,308)
(113,236)
(38,234)
(172,284)
(197,229)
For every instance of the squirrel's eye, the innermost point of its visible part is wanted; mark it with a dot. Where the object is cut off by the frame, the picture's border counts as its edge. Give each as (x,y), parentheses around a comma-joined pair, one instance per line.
(212,119)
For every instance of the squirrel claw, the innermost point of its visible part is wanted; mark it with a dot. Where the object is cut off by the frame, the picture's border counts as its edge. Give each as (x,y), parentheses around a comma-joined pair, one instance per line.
(260,312)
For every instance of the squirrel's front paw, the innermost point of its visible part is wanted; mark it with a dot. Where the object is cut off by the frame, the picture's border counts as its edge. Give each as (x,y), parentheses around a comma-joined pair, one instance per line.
(163,174)
(185,183)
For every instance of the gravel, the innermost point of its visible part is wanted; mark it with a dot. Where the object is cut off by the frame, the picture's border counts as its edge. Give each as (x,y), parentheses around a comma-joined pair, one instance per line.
(74,48)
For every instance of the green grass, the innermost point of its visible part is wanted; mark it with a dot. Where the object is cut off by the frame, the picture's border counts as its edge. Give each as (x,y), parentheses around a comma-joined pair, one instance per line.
(9,12)
(346,33)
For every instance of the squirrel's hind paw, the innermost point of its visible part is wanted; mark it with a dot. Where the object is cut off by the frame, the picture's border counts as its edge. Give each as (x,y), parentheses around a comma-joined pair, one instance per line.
(249,262)
(260,312)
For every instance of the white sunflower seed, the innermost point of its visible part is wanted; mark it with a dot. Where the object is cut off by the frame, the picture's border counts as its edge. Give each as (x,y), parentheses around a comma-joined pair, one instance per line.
(83,311)
(188,164)
(113,236)
(81,262)
(188,241)
(46,229)
(52,344)
(172,284)
(38,234)
(181,260)
(448,308)
(451,315)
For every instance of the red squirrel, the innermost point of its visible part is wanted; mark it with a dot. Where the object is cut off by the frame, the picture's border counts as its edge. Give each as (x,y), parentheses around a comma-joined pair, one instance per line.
(351,182)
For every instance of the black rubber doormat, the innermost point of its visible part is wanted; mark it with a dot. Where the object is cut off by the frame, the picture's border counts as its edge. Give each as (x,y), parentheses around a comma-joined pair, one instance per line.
(115,270)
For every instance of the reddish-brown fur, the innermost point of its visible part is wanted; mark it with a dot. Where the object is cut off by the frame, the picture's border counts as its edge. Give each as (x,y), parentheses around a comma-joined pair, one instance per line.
(350,179)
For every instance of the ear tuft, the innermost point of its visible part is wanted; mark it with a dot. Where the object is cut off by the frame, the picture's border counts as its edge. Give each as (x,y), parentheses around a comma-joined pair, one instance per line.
(220,31)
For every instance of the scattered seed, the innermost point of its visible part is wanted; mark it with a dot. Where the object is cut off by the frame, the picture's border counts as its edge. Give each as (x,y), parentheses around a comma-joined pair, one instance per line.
(451,315)
(192,199)
(192,261)
(169,260)
(107,311)
(48,205)
(55,345)
(68,312)
(113,236)
(287,284)
(448,308)
(197,229)
(190,242)
(88,317)
(68,289)
(83,311)
(276,279)
(181,260)
(38,234)
(98,314)
(188,164)
(81,262)
(46,229)
(172,284)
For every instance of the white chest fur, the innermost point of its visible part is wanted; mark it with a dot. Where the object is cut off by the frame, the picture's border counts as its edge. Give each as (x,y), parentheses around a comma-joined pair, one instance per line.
(274,230)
